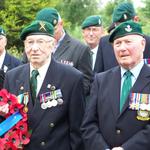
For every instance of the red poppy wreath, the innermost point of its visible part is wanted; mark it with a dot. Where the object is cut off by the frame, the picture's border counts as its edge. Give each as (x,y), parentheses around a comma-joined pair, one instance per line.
(14,132)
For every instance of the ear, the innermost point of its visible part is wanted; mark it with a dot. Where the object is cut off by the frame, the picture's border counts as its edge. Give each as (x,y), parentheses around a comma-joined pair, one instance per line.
(136,19)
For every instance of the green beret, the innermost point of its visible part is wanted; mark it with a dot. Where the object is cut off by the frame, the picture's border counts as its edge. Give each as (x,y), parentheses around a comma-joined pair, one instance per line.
(37,27)
(50,15)
(91,21)
(2,31)
(126,28)
(123,12)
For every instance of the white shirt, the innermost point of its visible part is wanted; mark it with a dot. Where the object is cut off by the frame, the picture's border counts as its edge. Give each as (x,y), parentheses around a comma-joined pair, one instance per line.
(2,57)
(135,73)
(94,50)
(42,73)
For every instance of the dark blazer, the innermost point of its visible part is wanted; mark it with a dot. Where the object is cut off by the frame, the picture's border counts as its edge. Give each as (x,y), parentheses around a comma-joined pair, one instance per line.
(75,52)
(10,62)
(104,126)
(106,58)
(56,128)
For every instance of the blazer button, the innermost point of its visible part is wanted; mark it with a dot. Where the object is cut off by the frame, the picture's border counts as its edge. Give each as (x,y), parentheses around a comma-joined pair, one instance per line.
(42,143)
(118,131)
(52,125)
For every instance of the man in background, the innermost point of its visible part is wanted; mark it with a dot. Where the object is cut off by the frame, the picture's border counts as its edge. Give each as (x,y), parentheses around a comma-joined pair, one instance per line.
(7,61)
(92,31)
(67,49)
(105,55)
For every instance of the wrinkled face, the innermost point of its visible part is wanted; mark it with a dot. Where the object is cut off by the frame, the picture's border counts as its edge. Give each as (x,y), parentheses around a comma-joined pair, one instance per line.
(129,50)
(38,49)
(58,30)
(3,43)
(92,35)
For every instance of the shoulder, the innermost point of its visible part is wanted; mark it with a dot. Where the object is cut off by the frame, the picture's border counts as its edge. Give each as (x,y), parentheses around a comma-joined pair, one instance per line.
(17,70)
(107,74)
(13,59)
(66,69)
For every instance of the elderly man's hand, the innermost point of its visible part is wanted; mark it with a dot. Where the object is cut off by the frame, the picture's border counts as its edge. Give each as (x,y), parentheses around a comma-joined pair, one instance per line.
(4,109)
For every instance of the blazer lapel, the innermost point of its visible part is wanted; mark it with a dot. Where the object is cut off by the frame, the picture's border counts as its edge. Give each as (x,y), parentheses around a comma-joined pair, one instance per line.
(142,81)
(115,98)
(62,47)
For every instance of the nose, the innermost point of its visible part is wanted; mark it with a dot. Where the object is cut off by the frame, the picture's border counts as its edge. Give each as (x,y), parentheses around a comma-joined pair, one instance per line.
(91,32)
(35,47)
(122,46)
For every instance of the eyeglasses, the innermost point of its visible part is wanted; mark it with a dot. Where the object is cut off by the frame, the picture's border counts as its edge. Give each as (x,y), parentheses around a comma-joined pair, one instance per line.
(40,42)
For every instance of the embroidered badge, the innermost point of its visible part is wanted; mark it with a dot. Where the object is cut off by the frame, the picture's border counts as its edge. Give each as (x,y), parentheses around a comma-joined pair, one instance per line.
(42,26)
(128,28)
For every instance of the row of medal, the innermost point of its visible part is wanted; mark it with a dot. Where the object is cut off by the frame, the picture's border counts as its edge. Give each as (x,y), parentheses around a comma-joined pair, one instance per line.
(141,103)
(51,99)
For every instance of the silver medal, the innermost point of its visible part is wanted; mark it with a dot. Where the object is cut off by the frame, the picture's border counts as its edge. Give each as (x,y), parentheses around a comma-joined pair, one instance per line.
(60,101)
(43,106)
(54,102)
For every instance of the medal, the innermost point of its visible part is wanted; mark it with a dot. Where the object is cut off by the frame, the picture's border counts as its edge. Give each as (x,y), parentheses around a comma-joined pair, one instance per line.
(54,103)
(25,101)
(43,105)
(143,115)
(60,101)
(25,109)
(49,104)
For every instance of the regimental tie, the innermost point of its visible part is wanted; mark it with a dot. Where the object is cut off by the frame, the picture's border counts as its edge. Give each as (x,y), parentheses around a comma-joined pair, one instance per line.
(33,84)
(127,84)
(92,53)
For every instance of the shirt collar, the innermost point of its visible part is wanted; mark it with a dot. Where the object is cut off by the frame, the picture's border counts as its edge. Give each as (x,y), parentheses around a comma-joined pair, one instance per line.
(2,57)
(42,70)
(135,71)
(94,50)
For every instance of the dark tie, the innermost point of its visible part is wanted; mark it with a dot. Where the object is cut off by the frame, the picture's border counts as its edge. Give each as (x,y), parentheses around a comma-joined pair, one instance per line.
(33,84)
(92,53)
(127,84)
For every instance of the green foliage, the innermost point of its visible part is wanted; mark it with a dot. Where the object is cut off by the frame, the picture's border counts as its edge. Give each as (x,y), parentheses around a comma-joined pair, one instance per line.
(16,14)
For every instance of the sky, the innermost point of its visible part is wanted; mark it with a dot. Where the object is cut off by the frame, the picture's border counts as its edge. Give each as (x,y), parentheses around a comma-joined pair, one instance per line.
(136,3)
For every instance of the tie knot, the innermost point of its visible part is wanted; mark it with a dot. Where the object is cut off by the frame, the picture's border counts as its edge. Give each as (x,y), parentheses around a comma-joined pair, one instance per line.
(35,73)
(128,74)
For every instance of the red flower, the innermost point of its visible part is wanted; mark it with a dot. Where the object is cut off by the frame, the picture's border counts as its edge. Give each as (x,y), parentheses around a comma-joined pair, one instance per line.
(22,126)
(25,138)
(10,146)
(18,135)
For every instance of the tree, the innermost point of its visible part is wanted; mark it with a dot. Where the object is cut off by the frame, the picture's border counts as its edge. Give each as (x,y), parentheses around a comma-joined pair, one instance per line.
(15,15)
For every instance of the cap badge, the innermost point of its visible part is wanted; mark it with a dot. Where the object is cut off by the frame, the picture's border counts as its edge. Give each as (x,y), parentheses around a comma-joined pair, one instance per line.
(125,16)
(99,21)
(42,26)
(54,21)
(128,28)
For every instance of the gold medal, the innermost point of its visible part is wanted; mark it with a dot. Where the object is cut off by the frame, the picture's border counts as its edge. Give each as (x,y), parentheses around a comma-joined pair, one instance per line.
(143,115)
(25,109)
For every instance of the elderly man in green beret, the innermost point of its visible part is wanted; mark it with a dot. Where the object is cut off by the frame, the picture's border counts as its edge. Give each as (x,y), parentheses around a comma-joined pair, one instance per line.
(106,59)
(54,93)
(92,31)
(67,49)
(118,114)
